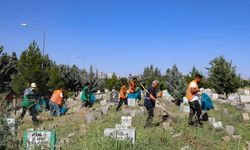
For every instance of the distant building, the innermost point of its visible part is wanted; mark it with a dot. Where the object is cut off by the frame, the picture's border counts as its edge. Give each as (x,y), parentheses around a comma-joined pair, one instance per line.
(106,75)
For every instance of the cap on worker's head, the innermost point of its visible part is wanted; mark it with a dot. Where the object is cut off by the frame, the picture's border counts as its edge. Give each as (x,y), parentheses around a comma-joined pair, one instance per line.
(33,85)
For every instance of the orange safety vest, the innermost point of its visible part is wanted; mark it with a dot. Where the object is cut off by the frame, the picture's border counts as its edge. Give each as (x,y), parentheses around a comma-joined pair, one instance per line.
(123,92)
(56,97)
(131,87)
(189,94)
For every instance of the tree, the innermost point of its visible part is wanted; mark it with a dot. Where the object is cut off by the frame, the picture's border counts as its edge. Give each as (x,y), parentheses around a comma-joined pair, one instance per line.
(8,69)
(111,82)
(222,76)
(191,76)
(7,139)
(95,83)
(32,67)
(244,83)
(72,77)
(175,83)
(55,78)
(150,74)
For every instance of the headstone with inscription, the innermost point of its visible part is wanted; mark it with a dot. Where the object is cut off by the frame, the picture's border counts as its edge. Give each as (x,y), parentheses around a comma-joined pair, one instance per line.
(122,131)
(39,140)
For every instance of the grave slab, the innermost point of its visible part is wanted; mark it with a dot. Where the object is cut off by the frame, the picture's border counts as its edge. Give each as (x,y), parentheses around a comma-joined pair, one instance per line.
(230,130)
(245,116)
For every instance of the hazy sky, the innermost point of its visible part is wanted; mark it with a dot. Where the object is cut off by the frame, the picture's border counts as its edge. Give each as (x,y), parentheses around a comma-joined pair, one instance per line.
(124,36)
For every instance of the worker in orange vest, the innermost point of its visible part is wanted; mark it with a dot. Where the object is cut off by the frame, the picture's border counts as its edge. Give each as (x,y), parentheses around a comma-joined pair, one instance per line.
(192,95)
(56,102)
(123,95)
(132,86)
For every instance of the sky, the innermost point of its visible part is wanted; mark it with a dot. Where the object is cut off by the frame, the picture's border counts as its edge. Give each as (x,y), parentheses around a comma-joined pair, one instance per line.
(125,36)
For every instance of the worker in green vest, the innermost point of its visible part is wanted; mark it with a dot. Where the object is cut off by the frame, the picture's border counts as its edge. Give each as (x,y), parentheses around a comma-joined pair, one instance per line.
(85,96)
(29,103)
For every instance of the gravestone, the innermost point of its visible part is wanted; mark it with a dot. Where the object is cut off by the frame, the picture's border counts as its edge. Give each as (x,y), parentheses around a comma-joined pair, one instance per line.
(167,97)
(240,106)
(184,107)
(245,116)
(247,108)
(247,92)
(215,97)
(126,120)
(89,117)
(105,110)
(218,125)
(122,131)
(121,134)
(230,130)
(245,98)
(211,120)
(39,139)
(249,146)
(233,98)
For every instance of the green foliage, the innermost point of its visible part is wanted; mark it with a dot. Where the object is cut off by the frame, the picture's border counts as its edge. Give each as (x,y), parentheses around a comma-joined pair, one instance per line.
(55,79)
(32,67)
(150,74)
(8,65)
(95,83)
(222,76)
(6,137)
(111,82)
(72,77)
(175,82)
(244,83)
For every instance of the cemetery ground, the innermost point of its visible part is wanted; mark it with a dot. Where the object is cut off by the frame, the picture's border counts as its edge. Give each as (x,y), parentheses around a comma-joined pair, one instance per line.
(72,132)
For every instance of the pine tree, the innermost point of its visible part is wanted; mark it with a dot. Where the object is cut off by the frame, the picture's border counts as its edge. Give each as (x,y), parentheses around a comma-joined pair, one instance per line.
(95,82)
(175,83)
(55,79)
(222,76)
(111,82)
(150,74)
(32,67)
(7,140)
(8,69)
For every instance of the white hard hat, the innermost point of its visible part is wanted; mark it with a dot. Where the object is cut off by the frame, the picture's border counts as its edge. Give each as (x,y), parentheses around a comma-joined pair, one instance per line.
(33,85)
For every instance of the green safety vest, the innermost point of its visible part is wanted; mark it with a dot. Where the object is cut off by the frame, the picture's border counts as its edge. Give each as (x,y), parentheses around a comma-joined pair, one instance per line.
(29,98)
(85,95)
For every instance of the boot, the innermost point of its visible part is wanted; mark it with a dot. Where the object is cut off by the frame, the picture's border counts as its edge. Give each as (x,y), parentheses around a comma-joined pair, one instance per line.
(148,123)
